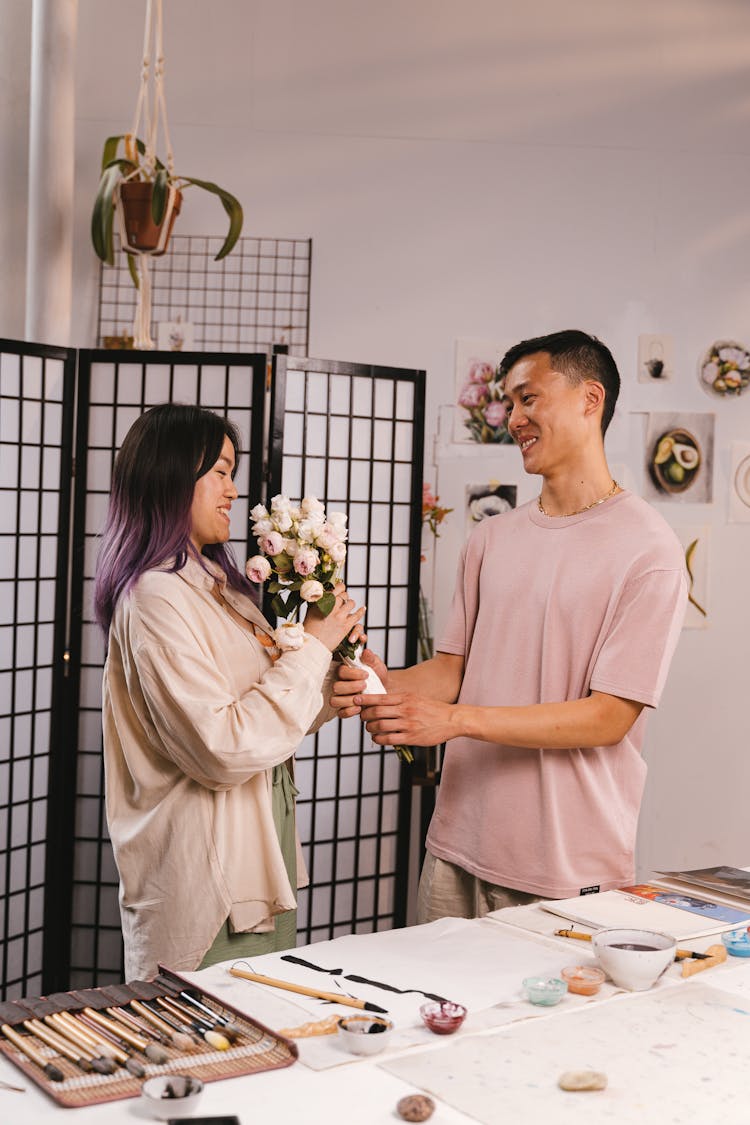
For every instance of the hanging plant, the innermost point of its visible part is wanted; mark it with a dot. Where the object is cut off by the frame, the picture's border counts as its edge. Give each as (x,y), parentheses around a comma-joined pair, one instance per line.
(143,193)
(140,195)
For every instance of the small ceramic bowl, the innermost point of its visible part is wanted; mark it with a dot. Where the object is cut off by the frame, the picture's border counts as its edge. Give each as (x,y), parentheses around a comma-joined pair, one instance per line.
(584,980)
(634,959)
(545,990)
(737,943)
(443,1017)
(171,1095)
(364,1035)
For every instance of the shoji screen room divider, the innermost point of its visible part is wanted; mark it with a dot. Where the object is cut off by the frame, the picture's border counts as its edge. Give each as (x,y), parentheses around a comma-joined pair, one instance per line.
(352,435)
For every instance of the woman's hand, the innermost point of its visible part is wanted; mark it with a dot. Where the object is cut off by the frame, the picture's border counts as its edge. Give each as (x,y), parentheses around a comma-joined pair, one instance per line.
(353,681)
(343,620)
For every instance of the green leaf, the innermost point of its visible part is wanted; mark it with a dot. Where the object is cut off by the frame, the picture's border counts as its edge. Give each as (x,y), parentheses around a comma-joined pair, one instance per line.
(279,606)
(159,195)
(134,271)
(293,601)
(274,587)
(325,604)
(103,214)
(233,208)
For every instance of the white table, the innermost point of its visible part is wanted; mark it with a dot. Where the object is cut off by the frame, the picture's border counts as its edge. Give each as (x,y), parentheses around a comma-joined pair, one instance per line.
(687,1040)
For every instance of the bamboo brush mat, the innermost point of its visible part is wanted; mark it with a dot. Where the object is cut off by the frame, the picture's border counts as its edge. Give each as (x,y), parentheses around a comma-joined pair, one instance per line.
(256,1049)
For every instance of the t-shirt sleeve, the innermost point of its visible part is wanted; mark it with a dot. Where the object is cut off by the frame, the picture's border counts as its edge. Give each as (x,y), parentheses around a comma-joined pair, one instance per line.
(634,659)
(454,636)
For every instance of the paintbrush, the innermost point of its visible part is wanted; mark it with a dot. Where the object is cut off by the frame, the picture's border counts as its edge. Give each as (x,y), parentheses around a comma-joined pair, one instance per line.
(303,990)
(107,1043)
(65,1025)
(680,954)
(26,1048)
(218,1041)
(82,1059)
(159,1026)
(152,1051)
(174,1023)
(231,1030)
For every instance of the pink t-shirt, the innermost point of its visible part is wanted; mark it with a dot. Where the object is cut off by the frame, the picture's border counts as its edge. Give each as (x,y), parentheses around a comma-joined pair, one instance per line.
(547,610)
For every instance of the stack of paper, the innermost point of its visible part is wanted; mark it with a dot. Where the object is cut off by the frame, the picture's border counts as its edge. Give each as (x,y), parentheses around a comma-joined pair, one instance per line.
(611,909)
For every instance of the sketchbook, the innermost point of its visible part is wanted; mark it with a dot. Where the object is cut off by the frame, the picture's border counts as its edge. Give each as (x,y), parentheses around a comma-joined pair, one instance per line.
(610,909)
(683,900)
(724,884)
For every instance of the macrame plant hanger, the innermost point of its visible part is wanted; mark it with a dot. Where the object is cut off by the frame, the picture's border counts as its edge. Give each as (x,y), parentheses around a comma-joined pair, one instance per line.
(151,106)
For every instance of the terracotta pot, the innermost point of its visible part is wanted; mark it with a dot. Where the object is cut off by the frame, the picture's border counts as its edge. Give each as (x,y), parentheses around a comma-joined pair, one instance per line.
(142,232)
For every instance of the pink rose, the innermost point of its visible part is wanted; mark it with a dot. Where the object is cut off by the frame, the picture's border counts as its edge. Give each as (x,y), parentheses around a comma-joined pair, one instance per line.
(306,560)
(271,544)
(473,395)
(496,413)
(258,569)
(481,372)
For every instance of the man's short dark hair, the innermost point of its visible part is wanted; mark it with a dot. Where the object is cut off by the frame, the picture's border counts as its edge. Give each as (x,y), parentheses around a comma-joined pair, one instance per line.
(579,357)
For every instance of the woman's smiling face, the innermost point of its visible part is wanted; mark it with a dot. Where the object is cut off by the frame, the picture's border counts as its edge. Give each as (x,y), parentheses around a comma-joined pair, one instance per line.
(212,500)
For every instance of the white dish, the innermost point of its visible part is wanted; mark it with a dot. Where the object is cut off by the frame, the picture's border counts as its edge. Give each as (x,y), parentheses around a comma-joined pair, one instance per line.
(364,1035)
(171,1095)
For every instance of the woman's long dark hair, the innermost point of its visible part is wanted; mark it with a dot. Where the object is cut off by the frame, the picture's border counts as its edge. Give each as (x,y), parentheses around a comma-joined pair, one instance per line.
(149,522)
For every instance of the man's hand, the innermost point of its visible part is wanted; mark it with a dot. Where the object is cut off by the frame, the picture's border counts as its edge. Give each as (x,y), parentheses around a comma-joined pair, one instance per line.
(402,718)
(352,681)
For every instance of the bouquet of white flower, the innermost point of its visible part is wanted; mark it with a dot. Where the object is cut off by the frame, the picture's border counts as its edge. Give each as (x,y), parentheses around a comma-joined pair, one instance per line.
(302,553)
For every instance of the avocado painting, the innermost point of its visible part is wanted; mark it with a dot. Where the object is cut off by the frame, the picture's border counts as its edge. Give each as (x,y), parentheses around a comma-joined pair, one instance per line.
(679,453)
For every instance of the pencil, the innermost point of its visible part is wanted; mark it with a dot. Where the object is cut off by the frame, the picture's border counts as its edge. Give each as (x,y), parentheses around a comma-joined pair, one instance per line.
(335,998)
(680,954)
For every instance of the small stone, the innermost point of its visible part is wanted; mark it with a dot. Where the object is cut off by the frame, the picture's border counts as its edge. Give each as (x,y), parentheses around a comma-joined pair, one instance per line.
(415,1107)
(582,1080)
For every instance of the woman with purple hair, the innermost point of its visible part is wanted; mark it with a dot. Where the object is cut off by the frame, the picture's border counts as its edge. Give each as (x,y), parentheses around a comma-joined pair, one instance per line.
(201,715)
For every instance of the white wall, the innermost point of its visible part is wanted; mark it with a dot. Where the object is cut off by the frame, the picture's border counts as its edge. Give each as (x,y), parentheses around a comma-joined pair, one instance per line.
(496,170)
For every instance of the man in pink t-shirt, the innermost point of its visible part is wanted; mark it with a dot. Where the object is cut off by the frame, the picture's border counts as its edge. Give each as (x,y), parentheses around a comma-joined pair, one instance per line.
(564,620)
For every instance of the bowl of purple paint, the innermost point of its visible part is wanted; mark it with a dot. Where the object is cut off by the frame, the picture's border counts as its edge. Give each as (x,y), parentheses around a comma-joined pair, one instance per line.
(443,1016)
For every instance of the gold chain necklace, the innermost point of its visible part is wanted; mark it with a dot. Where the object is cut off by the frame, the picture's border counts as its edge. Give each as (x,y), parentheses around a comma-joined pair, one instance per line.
(578,512)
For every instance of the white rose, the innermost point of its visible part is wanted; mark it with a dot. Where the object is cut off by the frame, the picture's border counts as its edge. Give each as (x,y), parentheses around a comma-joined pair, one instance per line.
(290,636)
(308,529)
(282,520)
(280,503)
(311,506)
(337,552)
(262,527)
(337,520)
(311,590)
(259,513)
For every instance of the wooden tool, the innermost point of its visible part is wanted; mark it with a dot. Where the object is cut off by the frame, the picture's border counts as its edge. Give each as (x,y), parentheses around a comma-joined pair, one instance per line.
(333,997)
(714,955)
(680,954)
(26,1048)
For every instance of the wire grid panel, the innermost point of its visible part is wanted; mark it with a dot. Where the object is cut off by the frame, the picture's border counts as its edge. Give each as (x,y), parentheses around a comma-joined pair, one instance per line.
(35,450)
(114,389)
(353,436)
(256,297)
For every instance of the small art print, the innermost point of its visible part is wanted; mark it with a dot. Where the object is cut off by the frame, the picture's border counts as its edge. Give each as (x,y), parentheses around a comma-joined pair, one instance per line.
(485,500)
(480,414)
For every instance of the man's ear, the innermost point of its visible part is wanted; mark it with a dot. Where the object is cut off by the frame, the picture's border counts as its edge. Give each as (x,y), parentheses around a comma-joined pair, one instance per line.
(593,396)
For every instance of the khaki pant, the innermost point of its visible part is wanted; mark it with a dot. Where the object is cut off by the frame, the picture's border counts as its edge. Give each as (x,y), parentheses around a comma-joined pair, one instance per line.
(447,891)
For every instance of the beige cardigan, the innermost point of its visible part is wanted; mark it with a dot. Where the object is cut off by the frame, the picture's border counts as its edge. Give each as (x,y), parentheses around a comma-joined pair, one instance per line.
(195,717)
